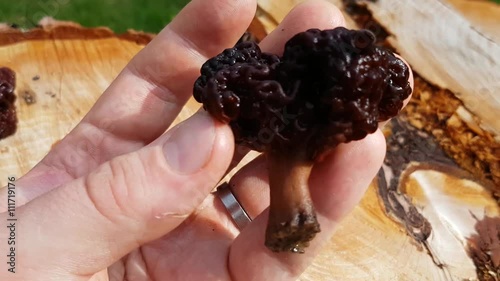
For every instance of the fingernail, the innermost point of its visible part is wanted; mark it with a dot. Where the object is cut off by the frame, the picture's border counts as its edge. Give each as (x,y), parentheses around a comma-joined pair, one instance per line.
(189,147)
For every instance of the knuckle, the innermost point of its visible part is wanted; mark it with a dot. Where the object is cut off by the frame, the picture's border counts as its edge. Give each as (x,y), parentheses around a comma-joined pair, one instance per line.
(117,189)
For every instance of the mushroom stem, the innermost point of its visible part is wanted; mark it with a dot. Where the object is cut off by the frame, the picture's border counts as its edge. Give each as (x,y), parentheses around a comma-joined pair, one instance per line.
(292,219)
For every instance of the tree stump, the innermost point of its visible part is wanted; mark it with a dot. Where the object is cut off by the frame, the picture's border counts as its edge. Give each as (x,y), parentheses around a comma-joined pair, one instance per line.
(432,213)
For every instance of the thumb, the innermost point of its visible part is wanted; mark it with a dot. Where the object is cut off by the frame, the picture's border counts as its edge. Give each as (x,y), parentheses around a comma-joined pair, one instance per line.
(91,222)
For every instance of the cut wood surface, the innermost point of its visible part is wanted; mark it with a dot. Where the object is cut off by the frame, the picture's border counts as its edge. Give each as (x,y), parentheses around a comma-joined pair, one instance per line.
(66,68)
(58,80)
(446,49)
(482,15)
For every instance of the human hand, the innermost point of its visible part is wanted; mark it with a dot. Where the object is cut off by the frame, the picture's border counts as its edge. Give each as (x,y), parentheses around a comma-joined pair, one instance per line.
(119,199)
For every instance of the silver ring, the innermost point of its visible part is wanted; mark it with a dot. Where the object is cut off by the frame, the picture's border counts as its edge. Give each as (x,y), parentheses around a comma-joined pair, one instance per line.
(236,211)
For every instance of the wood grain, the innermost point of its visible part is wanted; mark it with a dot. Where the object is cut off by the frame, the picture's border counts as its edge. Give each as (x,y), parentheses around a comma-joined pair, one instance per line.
(482,15)
(446,49)
(64,76)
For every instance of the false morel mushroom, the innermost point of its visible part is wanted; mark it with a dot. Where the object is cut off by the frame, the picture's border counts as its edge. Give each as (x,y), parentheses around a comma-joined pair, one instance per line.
(329,87)
(8,118)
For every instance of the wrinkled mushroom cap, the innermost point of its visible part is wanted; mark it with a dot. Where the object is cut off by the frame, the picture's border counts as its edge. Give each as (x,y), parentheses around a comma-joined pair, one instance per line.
(329,87)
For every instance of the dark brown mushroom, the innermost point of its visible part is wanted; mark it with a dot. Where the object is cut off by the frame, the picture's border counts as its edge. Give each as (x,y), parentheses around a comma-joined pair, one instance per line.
(8,118)
(329,87)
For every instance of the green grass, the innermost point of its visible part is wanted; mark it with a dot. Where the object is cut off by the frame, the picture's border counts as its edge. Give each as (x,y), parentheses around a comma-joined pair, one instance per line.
(119,15)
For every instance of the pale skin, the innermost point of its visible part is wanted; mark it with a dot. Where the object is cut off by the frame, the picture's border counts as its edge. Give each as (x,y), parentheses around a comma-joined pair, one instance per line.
(123,198)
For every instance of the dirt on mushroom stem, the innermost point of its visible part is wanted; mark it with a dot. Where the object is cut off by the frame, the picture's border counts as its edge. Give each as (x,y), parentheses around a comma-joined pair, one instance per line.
(292,220)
